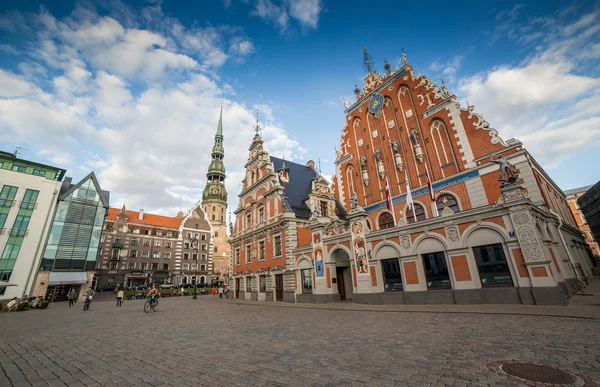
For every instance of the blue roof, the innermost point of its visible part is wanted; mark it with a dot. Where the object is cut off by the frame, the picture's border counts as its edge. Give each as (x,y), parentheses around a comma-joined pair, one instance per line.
(299,187)
(577,190)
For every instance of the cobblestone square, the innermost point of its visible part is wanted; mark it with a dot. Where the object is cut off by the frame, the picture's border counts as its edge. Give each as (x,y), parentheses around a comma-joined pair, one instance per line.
(204,343)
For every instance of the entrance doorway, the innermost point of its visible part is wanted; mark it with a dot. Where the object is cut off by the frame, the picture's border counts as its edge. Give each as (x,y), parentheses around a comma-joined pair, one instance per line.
(237,287)
(343,271)
(278,287)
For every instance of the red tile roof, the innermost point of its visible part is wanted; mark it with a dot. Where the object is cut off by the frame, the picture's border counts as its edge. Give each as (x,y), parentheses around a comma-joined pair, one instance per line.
(149,219)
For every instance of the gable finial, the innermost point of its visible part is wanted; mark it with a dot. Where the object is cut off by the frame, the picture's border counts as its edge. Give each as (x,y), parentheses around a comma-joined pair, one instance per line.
(367,61)
(257,127)
(404,61)
(444,88)
(319,161)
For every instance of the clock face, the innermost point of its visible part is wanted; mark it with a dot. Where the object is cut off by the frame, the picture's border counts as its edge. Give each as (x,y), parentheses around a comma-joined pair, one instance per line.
(215,191)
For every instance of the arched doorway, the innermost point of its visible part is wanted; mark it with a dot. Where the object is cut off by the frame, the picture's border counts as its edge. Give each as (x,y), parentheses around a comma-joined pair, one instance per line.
(343,271)
(184,280)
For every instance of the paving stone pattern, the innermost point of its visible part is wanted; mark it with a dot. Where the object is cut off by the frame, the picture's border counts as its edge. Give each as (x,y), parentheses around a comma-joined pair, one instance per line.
(208,342)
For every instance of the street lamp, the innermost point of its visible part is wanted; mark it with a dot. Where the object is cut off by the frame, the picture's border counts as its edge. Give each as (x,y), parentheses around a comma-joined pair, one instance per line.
(194,243)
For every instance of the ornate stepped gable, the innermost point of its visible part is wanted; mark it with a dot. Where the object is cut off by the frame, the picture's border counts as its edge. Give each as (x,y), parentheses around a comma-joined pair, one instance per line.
(401,127)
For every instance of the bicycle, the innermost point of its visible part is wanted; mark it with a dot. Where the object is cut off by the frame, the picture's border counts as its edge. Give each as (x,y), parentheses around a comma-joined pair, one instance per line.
(151,304)
(86,304)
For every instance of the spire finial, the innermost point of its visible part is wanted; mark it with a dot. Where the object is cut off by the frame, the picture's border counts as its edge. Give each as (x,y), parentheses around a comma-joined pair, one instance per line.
(367,61)
(444,88)
(257,127)
(319,161)
(404,61)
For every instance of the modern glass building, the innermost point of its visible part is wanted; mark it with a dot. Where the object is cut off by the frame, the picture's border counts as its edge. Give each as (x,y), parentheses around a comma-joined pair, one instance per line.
(69,258)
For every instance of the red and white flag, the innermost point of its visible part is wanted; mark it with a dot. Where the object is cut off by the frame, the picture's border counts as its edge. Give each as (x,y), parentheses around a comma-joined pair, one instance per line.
(388,200)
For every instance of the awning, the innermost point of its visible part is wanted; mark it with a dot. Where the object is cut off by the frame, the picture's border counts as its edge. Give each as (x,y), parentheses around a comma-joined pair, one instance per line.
(137,277)
(67,278)
(4,284)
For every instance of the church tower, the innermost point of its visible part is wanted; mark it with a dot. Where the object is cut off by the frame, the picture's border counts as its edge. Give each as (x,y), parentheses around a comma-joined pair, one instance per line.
(214,202)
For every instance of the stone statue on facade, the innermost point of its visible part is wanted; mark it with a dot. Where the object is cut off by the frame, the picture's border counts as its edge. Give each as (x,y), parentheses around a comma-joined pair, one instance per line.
(509,172)
(354,201)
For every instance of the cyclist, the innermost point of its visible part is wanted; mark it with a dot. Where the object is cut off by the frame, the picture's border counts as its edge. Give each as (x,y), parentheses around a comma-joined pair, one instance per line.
(153,294)
(88,298)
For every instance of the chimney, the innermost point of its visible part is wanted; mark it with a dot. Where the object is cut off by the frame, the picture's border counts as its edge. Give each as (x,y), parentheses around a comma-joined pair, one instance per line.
(141,215)
(310,164)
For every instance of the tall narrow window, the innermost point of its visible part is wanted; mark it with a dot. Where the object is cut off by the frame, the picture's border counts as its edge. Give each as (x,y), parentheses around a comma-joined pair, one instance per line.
(7,195)
(277,246)
(261,250)
(436,270)
(237,256)
(263,283)
(248,252)
(248,284)
(392,277)
(307,280)
(492,265)
(29,199)
(323,208)
(441,143)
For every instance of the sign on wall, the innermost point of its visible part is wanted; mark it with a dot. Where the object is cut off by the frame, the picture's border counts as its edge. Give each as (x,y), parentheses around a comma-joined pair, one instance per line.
(359,247)
(318,254)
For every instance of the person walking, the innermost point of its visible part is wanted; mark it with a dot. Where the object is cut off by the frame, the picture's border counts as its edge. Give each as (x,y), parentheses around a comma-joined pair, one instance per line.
(220,292)
(120,294)
(214,290)
(227,293)
(71,297)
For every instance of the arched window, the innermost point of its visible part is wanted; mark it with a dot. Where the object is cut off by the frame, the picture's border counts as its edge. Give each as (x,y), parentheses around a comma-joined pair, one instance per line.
(386,220)
(417,211)
(213,217)
(446,200)
(252,180)
(214,208)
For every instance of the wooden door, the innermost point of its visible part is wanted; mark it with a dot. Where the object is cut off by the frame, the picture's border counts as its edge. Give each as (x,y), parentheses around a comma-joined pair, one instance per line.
(340,282)
(237,288)
(278,287)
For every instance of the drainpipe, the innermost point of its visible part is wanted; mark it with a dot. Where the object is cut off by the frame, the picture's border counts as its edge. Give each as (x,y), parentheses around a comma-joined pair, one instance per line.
(37,250)
(560,224)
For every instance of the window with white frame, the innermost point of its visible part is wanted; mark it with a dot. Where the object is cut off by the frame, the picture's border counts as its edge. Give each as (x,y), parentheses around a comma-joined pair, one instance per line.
(156,254)
(167,256)
(144,266)
(203,257)
(136,230)
(145,254)
(169,234)
(186,256)
(277,245)
(159,233)
(248,253)
(134,242)
(203,237)
(202,267)
(261,250)
(237,256)
(156,243)
(186,266)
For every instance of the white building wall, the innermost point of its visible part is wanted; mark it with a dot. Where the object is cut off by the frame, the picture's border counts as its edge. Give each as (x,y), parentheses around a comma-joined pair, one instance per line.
(32,247)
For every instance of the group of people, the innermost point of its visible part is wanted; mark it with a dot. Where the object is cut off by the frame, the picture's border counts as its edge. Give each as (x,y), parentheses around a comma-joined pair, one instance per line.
(220,290)
(32,302)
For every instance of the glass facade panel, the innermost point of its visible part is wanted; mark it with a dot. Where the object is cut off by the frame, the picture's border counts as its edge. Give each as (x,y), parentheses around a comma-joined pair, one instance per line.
(76,231)
(492,265)
(391,275)
(3,219)
(436,271)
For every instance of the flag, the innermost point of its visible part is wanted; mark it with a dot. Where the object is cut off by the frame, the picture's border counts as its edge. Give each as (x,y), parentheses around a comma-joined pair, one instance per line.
(431,193)
(409,199)
(388,200)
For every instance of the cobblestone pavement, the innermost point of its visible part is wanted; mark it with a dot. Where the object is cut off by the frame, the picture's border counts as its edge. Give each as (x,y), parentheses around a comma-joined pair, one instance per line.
(218,343)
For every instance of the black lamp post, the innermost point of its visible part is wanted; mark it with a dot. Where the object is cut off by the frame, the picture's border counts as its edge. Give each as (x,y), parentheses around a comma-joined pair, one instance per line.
(194,242)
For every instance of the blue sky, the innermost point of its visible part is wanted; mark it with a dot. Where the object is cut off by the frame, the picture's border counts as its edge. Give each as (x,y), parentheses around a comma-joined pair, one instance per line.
(132,90)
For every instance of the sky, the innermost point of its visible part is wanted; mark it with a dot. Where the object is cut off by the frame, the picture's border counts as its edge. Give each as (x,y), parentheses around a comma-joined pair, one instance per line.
(132,90)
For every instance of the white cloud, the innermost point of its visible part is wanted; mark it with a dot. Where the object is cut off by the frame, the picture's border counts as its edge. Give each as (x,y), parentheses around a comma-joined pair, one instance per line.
(545,101)
(447,69)
(8,49)
(305,12)
(137,105)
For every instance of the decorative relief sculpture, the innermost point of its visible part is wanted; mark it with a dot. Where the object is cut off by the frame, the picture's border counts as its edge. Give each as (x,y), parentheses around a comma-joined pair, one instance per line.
(452,233)
(397,155)
(405,241)
(524,228)
(414,137)
(354,201)
(483,124)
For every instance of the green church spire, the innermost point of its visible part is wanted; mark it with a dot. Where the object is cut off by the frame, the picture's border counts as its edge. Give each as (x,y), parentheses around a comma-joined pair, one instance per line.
(215,185)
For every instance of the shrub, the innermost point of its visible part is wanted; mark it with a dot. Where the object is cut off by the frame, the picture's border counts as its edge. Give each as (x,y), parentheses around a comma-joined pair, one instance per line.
(23,306)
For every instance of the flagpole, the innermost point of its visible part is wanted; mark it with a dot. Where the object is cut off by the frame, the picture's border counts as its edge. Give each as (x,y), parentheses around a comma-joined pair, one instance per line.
(409,199)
